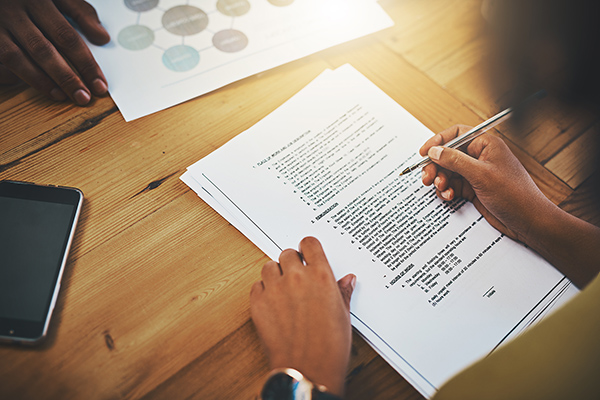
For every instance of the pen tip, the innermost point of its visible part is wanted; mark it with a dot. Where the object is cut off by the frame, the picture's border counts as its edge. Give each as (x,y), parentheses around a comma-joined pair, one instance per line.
(406,171)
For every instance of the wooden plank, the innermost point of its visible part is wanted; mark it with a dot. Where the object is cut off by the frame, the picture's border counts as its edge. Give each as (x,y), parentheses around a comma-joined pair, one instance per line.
(575,163)
(238,367)
(140,307)
(583,202)
(439,37)
(31,122)
(132,169)
(155,298)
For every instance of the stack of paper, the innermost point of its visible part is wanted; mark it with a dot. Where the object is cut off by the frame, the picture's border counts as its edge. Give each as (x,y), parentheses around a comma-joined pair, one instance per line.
(438,287)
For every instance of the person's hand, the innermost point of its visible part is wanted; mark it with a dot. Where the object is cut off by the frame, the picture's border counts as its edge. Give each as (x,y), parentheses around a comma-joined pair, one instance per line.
(489,176)
(40,47)
(302,315)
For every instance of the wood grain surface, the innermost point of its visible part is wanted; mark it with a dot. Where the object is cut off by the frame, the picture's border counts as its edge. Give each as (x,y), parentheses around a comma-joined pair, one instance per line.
(154,302)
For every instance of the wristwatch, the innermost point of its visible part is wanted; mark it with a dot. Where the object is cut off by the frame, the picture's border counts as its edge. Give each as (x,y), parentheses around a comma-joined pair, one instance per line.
(289,384)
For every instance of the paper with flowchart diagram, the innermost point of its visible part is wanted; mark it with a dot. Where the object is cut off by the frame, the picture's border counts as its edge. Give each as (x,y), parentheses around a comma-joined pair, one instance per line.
(165,52)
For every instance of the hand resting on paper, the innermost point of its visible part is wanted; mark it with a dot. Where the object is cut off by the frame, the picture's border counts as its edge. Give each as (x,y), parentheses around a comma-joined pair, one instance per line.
(302,315)
(40,47)
(492,178)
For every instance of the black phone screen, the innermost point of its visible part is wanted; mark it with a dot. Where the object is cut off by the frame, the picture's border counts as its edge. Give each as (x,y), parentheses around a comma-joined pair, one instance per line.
(35,227)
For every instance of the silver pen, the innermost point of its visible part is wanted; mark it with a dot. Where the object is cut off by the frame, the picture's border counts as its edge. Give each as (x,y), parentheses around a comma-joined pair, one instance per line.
(475,132)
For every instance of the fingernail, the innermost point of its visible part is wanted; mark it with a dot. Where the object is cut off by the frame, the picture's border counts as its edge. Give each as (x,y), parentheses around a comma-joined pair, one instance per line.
(435,152)
(99,86)
(58,94)
(81,97)
(446,194)
(437,182)
(353,282)
(423,174)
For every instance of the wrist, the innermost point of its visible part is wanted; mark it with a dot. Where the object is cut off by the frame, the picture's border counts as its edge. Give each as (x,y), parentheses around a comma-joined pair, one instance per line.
(321,375)
(546,219)
(289,383)
(568,243)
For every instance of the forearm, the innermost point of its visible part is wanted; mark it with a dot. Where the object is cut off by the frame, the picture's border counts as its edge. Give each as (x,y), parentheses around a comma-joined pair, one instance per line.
(569,243)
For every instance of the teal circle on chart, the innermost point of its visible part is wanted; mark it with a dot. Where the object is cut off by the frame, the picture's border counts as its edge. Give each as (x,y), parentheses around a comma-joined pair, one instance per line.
(181,58)
(136,37)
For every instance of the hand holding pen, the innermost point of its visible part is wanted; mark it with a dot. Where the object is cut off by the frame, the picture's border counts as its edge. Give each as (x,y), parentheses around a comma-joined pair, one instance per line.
(477,131)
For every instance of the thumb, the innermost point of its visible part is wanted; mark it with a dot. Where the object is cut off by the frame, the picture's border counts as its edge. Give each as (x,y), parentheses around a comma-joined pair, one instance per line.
(346,285)
(455,161)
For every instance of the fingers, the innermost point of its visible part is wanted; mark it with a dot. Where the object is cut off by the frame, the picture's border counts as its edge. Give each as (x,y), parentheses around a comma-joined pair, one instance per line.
(270,271)
(86,18)
(455,161)
(67,42)
(432,173)
(39,46)
(443,137)
(257,288)
(435,140)
(7,77)
(313,253)
(13,59)
(346,285)
(289,259)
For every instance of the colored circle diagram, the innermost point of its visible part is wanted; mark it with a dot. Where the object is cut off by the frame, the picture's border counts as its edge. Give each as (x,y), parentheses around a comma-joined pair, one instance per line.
(185,21)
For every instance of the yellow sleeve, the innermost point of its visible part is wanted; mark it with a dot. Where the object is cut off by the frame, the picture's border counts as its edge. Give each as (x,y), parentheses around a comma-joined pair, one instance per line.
(559,358)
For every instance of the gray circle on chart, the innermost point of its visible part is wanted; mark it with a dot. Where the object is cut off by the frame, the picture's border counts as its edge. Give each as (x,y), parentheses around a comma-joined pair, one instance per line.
(230,40)
(181,58)
(281,3)
(135,37)
(233,8)
(141,5)
(185,20)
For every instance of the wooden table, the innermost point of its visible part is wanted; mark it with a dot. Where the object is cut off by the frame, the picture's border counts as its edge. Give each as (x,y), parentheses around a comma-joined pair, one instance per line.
(154,301)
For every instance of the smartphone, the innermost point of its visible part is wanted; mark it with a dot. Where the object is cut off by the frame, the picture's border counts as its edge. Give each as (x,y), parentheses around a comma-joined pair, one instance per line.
(37,224)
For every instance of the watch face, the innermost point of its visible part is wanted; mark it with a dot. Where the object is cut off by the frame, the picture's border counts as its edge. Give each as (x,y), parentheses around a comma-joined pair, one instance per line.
(279,387)
(282,386)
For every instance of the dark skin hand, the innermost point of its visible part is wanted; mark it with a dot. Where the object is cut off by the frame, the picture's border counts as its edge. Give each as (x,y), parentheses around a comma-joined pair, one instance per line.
(491,177)
(40,47)
(303,316)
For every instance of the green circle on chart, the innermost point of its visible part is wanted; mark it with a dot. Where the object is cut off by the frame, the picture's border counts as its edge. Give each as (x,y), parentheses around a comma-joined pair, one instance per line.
(136,37)
(233,8)
(181,58)
(281,3)
(185,20)
(141,5)
(230,40)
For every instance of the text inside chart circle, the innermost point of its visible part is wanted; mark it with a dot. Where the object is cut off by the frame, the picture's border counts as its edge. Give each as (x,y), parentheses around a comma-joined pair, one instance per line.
(185,20)
(230,40)
(181,58)
(233,8)
(135,37)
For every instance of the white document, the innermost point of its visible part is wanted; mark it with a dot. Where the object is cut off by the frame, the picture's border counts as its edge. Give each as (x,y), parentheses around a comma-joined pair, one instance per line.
(165,52)
(438,287)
